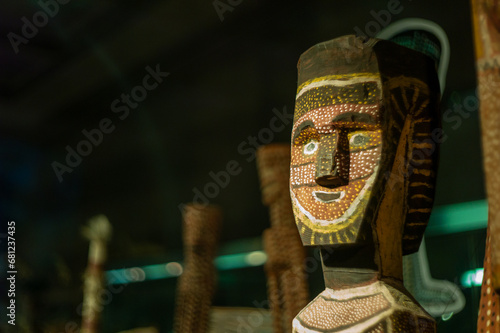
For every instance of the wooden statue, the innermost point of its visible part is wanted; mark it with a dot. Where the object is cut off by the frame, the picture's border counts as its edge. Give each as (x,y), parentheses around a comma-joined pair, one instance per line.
(486,19)
(286,280)
(98,232)
(363,168)
(196,285)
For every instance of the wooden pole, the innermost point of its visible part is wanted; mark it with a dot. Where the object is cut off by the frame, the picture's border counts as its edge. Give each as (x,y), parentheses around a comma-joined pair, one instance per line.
(196,285)
(287,287)
(486,21)
(98,232)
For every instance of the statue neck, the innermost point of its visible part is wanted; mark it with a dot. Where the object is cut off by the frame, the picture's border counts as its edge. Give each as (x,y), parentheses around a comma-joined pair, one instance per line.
(352,266)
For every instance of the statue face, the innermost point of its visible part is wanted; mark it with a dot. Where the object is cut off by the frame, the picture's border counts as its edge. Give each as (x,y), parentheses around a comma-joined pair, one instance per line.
(336,150)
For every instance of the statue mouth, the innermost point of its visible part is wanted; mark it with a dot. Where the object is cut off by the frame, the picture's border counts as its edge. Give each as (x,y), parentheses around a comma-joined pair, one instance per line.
(328,197)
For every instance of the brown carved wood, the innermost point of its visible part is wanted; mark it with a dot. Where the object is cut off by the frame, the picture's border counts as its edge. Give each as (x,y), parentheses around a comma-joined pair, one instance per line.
(98,232)
(486,19)
(196,285)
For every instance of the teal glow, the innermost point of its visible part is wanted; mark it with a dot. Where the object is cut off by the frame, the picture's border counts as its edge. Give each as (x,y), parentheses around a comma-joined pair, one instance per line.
(231,261)
(155,272)
(174,269)
(447,316)
(459,217)
(472,278)
(139,274)
(240,260)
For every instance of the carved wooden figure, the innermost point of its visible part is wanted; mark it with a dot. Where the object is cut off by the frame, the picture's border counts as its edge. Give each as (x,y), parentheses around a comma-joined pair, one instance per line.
(98,232)
(486,18)
(362,177)
(286,281)
(196,285)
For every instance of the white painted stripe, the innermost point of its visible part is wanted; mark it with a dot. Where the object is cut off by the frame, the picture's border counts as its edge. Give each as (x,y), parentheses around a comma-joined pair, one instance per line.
(340,83)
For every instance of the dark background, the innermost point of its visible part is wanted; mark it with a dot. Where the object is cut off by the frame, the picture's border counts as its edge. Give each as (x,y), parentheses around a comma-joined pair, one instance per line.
(226,77)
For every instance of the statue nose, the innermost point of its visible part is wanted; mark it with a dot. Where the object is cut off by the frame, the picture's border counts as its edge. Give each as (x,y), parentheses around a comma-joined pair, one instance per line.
(329,181)
(328,163)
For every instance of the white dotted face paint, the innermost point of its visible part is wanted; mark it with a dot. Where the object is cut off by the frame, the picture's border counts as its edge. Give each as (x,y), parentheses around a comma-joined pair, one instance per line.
(343,139)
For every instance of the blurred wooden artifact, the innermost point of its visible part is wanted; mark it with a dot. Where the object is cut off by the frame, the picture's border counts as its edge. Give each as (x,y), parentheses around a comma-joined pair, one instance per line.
(286,280)
(196,286)
(98,232)
(363,164)
(486,19)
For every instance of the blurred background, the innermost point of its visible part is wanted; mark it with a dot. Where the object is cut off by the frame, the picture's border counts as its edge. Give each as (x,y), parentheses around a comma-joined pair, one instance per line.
(231,69)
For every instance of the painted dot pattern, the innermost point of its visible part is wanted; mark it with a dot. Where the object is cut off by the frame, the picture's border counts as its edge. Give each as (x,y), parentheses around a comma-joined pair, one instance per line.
(369,309)
(302,175)
(327,315)
(349,148)
(323,114)
(365,162)
(487,31)
(488,320)
(355,99)
(426,325)
(328,211)
(367,93)
(379,328)
(404,322)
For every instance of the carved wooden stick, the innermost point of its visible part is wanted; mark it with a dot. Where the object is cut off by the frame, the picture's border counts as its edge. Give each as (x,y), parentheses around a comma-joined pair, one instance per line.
(486,17)
(489,307)
(287,287)
(98,232)
(196,285)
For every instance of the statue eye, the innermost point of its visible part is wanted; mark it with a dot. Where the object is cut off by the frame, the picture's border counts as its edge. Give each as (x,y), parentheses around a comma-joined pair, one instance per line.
(359,140)
(311,147)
